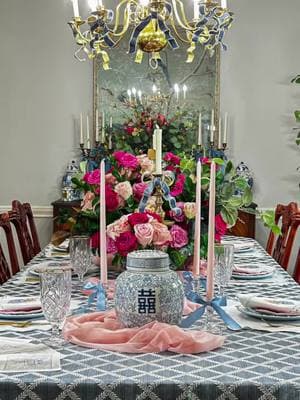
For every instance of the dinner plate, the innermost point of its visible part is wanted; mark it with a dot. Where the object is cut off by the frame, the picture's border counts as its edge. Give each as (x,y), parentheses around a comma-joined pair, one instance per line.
(272,317)
(23,316)
(252,277)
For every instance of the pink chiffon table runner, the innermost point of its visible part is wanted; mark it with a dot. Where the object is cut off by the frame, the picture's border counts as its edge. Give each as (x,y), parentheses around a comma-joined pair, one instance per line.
(101,330)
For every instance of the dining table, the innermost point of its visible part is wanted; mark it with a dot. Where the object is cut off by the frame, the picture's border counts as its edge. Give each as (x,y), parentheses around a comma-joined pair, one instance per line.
(252,364)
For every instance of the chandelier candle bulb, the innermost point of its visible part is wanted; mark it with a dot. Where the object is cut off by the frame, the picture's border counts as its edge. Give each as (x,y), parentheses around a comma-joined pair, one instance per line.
(103,128)
(199,142)
(212,126)
(154,89)
(88,143)
(158,137)
(81,129)
(184,88)
(134,92)
(224,4)
(75,8)
(211,234)
(140,96)
(110,122)
(97,125)
(129,94)
(225,128)
(220,134)
(103,256)
(176,88)
(197,234)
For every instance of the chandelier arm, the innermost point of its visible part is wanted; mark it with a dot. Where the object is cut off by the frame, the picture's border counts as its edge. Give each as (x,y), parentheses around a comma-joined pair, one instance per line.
(126,18)
(185,24)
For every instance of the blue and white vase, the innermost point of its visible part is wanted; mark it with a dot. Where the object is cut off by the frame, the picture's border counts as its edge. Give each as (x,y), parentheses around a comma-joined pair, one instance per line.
(148,290)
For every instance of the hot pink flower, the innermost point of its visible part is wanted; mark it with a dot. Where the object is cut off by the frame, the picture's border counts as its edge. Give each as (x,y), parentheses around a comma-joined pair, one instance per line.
(138,218)
(144,234)
(126,243)
(138,190)
(179,237)
(172,158)
(161,234)
(92,178)
(115,229)
(177,189)
(87,202)
(126,160)
(110,179)
(95,242)
(221,227)
(111,246)
(111,198)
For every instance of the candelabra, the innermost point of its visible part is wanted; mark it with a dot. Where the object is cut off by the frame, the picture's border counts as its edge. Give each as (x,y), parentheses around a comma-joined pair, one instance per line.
(93,156)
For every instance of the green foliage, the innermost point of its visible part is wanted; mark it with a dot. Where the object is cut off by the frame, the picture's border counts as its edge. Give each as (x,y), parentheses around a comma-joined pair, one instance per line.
(268,218)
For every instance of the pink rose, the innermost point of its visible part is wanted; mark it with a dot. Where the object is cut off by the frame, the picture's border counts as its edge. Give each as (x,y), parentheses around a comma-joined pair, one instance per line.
(144,234)
(138,190)
(124,189)
(126,243)
(110,179)
(111,198)
(179,237)
(92,178)
(146,164)
(115,229)
(87,202)
(161,234)
(178,218)
(95,240)
(189,210)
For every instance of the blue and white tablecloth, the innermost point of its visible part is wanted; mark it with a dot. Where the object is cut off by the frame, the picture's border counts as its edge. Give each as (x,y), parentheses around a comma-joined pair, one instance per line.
(251,365)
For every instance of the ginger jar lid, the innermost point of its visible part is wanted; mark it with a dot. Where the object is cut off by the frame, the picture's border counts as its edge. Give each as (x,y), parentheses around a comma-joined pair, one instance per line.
(143,260)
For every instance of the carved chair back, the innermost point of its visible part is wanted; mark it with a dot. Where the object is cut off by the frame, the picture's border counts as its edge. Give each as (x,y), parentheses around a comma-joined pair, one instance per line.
(280,249)
(5,270)
(21,217)
(296,274)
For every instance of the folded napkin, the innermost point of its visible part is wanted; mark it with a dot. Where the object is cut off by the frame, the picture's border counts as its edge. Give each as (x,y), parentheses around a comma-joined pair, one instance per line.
(13,303)
(103,331)
(269,305)
(246,269)
(239,245)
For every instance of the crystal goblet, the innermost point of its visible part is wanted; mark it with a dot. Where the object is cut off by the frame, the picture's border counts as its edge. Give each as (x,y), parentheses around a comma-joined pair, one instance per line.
(56,288)
(80,254)
(223,266)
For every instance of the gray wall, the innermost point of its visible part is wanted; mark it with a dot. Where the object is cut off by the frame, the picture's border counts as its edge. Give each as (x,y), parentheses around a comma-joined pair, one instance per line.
(43,88)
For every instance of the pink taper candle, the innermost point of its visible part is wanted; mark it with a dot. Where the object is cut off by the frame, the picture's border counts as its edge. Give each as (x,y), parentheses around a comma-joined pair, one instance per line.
(197,233)
(211,233)
(103,256)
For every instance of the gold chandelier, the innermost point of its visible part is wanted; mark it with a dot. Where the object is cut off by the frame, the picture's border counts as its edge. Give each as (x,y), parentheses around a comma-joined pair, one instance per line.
(153,24)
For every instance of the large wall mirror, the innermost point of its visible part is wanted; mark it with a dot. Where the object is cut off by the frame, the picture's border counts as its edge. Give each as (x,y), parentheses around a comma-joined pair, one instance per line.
(137,97)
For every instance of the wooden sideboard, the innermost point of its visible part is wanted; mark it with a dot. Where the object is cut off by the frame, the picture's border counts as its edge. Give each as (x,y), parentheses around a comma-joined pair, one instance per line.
(245,225)
(62,210)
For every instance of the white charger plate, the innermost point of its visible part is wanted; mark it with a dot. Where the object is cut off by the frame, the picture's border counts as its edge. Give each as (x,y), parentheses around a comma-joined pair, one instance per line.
(271,317)
(14,317)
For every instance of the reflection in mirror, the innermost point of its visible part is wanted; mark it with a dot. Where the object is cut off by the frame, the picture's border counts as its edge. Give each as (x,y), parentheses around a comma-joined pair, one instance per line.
(137,97)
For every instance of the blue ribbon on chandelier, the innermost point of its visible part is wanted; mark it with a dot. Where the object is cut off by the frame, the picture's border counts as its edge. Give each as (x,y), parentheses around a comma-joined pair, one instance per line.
(162,26)
(158,182)
(99,23)
(221,24)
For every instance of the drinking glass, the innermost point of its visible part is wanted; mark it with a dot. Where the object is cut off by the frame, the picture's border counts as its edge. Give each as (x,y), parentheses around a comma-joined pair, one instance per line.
(56,288)
(80,254)
(223,266)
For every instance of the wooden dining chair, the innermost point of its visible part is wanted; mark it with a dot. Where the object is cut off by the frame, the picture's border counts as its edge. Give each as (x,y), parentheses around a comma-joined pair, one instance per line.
(22,218)
(280,248)
(296,274)
(7,269)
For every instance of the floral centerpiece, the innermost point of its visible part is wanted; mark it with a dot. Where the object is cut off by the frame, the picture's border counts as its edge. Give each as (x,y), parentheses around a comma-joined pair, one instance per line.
(128,229)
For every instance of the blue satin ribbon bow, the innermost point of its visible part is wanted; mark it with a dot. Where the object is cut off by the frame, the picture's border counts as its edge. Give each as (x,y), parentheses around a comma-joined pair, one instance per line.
(216,304)
(98,292)
(166,195)
(189,278)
